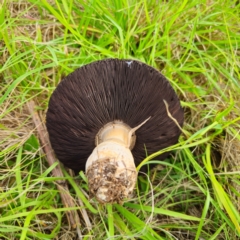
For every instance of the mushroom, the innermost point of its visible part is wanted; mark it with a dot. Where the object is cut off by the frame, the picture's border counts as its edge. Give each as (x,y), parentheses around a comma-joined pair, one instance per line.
(106,116)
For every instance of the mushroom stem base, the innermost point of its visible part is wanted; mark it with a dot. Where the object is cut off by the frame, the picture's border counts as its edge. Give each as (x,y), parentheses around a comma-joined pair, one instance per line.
(111,172)
(108,183)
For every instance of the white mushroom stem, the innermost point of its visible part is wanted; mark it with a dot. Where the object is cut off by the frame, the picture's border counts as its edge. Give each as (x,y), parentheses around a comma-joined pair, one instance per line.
(110,169)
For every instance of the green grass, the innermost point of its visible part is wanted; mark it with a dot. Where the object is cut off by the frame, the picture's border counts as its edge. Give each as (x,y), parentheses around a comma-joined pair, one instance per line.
(193,194)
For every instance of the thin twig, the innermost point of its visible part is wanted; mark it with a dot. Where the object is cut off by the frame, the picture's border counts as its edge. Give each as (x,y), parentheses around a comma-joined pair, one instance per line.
(62,186)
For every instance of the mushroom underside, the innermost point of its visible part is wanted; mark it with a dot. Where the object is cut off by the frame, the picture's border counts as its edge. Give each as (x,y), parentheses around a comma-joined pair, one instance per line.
(92,117)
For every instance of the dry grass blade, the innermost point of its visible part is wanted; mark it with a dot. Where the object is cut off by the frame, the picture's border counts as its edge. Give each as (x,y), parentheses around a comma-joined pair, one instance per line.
(67,201)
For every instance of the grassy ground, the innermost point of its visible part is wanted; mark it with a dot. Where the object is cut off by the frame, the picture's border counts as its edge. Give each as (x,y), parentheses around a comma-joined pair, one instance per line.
(194,194)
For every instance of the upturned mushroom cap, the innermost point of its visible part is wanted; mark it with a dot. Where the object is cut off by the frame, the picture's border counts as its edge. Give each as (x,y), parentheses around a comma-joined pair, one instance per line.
(109,90)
